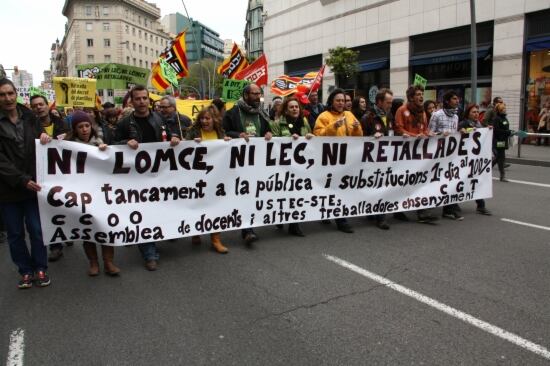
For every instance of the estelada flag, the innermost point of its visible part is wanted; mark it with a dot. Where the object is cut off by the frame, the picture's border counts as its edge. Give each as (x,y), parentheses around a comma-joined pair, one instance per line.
(175,55)
(255,73)
(285,85)
(235,63)
(157,79)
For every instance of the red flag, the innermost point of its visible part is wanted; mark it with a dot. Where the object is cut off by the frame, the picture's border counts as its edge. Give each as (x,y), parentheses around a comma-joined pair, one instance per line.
(317,82)
(233,64)
(255,73)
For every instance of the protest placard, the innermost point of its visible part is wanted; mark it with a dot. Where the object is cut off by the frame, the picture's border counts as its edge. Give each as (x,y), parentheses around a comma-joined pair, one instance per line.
(74,92)
(233,89)
(419,80)
(123,196)
(114,76)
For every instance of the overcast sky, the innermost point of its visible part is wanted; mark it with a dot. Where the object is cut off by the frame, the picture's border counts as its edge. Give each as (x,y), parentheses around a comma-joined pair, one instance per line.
(29,27)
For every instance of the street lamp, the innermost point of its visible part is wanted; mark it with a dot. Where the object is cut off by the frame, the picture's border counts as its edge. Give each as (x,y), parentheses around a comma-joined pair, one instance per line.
(209,76)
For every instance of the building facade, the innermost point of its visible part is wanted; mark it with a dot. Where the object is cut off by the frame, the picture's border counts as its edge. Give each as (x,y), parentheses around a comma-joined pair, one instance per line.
(104,31)
(254,32)
(397,39)
(200,40)
(22,79)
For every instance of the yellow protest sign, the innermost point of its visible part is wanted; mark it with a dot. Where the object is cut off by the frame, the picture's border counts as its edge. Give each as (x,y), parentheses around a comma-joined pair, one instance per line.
(74,92)
(191,107)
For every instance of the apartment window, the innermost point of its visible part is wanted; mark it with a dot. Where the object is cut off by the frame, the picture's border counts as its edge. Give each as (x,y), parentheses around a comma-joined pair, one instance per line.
(127,60)
(151,37)
(134,61)
(140,49)
(139,33)
(105,10)
(127,29)
(88,10)
(90,58)
(90,42)
(161,41)
(127,45)
(145,35)
(106,42)
(126,13)
(133,31)
(157,40)
(140,63)
(146,50)
(151,52)
(139,20)
(134,46)
(107,58)
(145,21)
(106,26)
(110,92)
(146,64)
(89,27)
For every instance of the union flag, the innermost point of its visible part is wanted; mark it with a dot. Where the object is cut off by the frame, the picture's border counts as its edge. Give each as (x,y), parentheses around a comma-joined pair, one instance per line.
(235,63)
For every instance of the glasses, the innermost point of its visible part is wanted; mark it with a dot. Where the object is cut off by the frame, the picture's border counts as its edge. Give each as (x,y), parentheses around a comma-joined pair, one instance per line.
(165,106)
(259,93)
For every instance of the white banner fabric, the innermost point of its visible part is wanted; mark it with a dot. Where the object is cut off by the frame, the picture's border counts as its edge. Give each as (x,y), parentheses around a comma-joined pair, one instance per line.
(122,196)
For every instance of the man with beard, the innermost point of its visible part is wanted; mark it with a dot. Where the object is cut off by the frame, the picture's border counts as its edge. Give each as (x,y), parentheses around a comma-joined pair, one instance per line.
(56,128)
(378,123)
(143,126)
(444,122)
(171,117)
(314,108)
(245,120)
(410,121)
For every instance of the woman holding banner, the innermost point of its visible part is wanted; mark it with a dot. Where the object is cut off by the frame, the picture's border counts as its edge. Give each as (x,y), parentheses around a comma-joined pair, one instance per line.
(336,121)
(292,123)
(207,126)
(83,132)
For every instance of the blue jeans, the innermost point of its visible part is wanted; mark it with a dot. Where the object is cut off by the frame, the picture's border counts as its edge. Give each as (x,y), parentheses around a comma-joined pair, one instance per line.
(149,251)
(16,216)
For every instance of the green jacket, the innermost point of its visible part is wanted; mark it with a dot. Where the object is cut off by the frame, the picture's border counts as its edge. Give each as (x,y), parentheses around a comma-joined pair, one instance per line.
(280,128)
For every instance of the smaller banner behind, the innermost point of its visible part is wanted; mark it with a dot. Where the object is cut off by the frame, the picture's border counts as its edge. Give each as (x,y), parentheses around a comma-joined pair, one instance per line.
(74,92)
(114,76)
(122,196)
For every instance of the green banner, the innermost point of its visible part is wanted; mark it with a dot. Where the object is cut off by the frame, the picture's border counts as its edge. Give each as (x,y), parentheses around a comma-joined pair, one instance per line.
(168,72)
(114,76)
(37,91)
(233,89)
(419,80)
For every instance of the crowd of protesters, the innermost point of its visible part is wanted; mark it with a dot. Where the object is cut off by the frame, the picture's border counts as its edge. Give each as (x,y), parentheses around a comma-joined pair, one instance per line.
(145,122)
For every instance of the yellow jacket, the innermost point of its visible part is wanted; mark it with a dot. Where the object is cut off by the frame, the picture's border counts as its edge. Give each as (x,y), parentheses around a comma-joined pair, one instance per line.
(325,125)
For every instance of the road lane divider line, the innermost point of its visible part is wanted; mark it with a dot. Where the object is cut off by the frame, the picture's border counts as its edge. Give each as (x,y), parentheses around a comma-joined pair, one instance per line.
(525,182)
(526,224)
(467,318)
(16,350)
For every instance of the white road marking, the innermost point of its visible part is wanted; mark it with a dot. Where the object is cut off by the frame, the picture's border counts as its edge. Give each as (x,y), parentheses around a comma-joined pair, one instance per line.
(526,182)
(16,349)
(489,328)
(527,224)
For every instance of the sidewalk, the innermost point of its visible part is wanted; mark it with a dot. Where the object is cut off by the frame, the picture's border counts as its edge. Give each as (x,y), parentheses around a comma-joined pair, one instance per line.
(529,155)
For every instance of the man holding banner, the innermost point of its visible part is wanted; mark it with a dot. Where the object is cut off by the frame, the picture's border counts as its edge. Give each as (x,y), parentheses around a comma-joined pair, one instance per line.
(245,120)
(143,126)
(18,203)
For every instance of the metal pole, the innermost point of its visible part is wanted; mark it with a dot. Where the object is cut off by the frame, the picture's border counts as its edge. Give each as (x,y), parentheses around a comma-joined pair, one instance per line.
(473,45)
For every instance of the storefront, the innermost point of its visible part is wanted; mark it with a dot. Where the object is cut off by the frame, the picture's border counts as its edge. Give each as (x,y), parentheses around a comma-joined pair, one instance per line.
(537,47)
(374,73)
(444,59)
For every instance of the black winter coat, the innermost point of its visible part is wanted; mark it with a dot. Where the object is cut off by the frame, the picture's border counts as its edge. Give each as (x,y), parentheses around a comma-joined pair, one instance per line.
(233,126)
(18,167)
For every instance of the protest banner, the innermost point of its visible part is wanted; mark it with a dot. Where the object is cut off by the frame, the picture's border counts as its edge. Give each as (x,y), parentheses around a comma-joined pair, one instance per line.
(25,93)
(419,80)
(233,89)
(114,76)
(74,92)
(122,196)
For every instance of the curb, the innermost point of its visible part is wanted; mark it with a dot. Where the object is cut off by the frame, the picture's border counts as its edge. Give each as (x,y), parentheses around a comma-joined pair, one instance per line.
(528,162)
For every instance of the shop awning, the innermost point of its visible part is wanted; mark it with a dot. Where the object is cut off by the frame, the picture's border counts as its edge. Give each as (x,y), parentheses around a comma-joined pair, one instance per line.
(372,65)
(537,44)
(448,56)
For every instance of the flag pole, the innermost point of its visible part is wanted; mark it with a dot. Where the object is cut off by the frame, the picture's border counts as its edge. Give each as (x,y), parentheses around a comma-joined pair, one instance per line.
(197,44)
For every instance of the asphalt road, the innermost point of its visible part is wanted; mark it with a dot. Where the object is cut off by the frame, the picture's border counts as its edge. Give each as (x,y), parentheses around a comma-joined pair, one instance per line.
(285,303)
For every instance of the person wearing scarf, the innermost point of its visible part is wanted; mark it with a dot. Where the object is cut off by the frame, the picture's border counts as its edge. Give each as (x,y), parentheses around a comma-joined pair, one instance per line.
(247,120)
(292,123)
(410,121)
(445,122)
